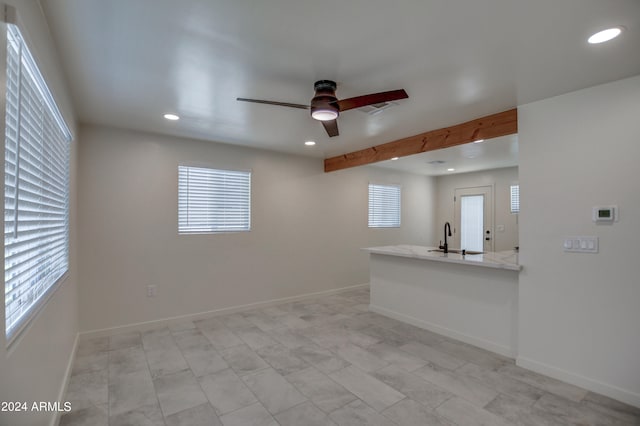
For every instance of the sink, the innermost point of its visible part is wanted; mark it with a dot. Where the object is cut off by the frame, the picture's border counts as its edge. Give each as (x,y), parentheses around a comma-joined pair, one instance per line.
(458,251)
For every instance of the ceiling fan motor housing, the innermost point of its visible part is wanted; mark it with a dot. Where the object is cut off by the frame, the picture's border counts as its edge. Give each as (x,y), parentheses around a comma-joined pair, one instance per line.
(325,98)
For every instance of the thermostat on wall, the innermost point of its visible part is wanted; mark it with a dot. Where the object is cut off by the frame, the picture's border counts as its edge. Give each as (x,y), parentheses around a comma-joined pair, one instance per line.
(605,214)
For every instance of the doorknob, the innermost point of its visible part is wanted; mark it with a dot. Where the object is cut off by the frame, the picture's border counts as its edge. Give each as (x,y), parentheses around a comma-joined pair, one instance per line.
(488,238)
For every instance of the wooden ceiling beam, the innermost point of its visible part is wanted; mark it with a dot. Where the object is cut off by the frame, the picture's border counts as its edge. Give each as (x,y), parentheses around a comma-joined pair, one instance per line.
(491,126)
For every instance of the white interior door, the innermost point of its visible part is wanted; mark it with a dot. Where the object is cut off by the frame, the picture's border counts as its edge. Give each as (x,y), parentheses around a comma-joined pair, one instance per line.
(473,217)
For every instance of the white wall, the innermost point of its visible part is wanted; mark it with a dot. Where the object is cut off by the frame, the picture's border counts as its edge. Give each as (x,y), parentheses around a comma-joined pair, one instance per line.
(501,180)
(307,228)
(34,367)
(474,304)
(579,313)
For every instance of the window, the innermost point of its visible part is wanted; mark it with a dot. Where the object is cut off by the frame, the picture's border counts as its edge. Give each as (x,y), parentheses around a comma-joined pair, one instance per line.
(384,206)
(211,200)
(515,198)
(36,188)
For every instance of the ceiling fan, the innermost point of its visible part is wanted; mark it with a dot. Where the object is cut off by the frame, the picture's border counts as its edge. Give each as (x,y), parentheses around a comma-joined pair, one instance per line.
(326,107)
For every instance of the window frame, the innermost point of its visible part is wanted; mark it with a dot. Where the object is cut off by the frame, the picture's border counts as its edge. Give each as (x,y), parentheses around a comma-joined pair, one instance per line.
(382,223)
(60,146)
(249,189)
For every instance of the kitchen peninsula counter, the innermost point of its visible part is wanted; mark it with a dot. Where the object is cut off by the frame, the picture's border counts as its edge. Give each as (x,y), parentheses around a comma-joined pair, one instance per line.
(472,298)
(498,260)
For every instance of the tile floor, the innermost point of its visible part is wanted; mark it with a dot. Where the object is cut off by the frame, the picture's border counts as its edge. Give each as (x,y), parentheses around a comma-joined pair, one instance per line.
(326,361)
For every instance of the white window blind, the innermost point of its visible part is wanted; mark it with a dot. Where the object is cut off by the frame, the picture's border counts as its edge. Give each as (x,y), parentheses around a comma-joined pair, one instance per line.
(36,187)
(211,200)
(515,198)
(384,206)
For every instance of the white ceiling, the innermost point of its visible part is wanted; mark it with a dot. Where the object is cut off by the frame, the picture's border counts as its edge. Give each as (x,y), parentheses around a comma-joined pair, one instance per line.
(493,153)
(130,61)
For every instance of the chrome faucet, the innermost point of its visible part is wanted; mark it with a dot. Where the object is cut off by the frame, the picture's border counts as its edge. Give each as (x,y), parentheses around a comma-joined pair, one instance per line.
(445,247)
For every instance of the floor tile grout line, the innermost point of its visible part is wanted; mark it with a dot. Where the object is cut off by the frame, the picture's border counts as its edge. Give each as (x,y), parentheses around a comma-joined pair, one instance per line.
(333,381)
(194,375)
(406,398)
(109,384)
(155,391)
(238,376)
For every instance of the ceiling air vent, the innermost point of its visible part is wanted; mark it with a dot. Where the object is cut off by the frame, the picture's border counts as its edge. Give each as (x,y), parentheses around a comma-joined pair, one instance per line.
(377,108)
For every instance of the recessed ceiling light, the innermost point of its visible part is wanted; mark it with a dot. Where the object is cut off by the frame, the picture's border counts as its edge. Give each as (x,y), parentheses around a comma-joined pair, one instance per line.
(479,141)
(394,158)
(451,170)
(309,143)
(171,117)
(605,35)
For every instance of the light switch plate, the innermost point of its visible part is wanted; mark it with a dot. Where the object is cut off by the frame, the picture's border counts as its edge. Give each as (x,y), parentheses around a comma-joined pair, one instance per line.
(580,244)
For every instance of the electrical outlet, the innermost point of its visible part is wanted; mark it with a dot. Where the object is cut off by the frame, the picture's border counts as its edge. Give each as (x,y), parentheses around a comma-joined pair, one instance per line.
(152,290)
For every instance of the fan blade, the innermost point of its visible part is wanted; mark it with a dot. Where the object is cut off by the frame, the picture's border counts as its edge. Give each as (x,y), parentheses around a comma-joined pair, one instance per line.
(285,104)
(372,99)
(331,127)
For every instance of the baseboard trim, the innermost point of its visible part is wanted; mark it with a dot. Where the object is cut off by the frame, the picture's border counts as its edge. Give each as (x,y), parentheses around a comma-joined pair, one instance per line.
(484,344)
(611,391)
(65,382)
(149,325)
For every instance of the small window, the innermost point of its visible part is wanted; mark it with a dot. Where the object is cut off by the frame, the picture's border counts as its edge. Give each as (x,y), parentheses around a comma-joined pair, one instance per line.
(36,188)
(515,198)
(384,206)
(211,200)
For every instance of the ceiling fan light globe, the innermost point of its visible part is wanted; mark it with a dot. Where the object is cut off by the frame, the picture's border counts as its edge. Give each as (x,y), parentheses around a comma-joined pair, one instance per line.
(324,114)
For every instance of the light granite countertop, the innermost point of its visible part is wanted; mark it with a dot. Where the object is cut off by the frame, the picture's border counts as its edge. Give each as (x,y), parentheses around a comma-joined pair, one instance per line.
(498,260)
